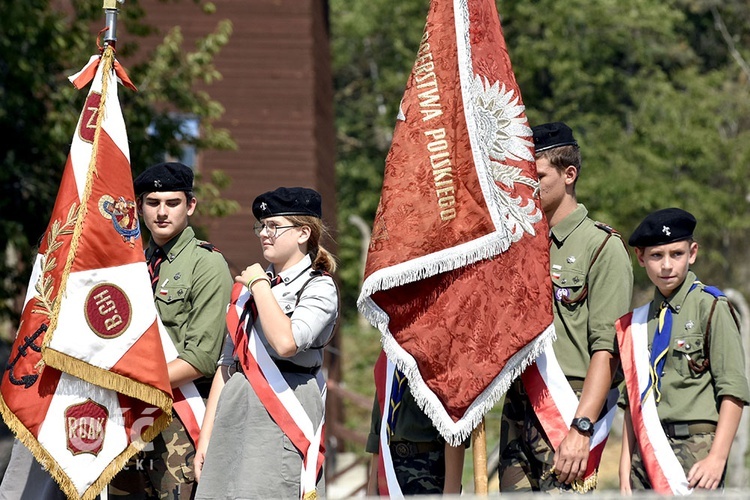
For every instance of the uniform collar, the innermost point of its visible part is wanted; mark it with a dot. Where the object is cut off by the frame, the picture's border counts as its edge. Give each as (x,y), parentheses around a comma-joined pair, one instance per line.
(566,226)
(174,246)
(295,271)
(677,299)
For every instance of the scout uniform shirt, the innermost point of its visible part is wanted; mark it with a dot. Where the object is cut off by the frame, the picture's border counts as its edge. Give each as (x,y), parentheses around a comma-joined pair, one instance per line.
(606,288)
(687,396)
(191,297)
(313,316)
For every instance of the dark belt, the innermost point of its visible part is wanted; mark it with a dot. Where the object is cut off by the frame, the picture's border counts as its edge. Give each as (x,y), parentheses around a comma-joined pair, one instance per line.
(284,366)
(686,429)
(406,449)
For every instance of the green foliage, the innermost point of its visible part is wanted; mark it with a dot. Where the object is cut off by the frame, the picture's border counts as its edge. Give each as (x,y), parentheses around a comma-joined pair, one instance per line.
(373,45)
(656,91)
(39,47)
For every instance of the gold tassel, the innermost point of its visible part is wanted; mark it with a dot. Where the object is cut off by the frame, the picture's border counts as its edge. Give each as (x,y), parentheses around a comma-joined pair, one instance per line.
(109,380)
(586,485)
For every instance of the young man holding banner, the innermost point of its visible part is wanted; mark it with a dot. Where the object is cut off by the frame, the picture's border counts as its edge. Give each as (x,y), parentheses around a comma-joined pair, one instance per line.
(192,286)
(555,421)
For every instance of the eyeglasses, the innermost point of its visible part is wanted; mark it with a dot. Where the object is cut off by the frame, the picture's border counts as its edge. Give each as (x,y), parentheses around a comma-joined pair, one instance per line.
(270,227)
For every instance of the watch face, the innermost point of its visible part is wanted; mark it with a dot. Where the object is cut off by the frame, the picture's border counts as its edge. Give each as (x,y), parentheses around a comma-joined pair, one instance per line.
(583,424)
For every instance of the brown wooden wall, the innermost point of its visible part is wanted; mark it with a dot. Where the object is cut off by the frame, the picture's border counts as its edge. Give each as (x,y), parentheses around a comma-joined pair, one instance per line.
(278,95)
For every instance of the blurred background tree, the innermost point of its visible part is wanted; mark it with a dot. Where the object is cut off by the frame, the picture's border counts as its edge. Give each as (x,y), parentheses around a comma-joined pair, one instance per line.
(40,45)
(656,91)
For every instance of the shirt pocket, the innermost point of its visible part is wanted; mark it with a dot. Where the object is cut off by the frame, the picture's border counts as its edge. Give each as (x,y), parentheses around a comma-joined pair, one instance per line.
(287,303)
(569,287)
(686,348)
(172,302)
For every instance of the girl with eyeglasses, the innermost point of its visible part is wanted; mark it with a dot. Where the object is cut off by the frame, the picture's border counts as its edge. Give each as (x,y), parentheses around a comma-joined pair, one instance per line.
(262,432)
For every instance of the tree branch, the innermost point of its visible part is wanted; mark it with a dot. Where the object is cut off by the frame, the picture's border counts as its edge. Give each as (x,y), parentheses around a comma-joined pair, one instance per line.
(719,23)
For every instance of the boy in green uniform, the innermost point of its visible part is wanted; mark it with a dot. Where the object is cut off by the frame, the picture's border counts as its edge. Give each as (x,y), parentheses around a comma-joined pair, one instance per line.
(592,283)
(684,368)
(192,286)
(422,462)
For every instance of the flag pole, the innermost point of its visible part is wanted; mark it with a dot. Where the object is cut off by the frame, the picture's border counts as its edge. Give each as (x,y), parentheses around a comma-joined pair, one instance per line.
(479,447)
(110,18)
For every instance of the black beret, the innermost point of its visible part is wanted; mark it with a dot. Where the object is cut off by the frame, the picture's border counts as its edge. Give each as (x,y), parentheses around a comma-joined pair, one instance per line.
(663,226)
(288,201)
(170,176)
(552,135)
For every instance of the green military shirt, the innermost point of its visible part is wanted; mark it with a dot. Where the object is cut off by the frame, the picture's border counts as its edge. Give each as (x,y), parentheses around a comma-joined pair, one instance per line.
(191,297)
(687,396)
(600,293)
(411,424)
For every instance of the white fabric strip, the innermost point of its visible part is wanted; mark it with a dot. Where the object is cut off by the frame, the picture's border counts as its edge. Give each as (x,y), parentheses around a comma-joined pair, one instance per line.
(664,454)
(394,490)
(565,398)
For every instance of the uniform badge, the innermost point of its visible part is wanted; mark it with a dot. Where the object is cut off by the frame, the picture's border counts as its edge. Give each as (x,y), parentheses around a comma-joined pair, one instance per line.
(263,206)
(571,259)
(689,325)
(666,230)
(556,276)
(107,310)
(561,293)
(180,292)
(85,427)
(157,183)
(177,276)
(123,215)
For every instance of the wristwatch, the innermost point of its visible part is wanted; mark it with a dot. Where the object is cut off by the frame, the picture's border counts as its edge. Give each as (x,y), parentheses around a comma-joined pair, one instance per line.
(583,424)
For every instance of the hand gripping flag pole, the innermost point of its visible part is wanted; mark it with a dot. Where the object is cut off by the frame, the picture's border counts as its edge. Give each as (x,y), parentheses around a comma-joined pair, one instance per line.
(86,385)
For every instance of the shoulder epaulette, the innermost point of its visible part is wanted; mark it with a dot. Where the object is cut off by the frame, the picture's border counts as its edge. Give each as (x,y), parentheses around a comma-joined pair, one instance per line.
(713,291)
(208,246)
(606,228)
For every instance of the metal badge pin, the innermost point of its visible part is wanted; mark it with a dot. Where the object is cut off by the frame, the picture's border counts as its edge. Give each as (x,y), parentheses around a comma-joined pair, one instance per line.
(689,325)
(180,292)
(564,281)
(576,279)
(571,259)
(177,276)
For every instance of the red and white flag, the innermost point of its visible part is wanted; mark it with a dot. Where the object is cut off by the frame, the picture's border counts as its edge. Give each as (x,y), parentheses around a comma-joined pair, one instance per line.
(665,473)
(457,275)
(86,384)
(555,404)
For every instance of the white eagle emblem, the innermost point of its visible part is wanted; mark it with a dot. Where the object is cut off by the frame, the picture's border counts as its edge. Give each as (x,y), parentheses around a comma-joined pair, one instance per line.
(503,131)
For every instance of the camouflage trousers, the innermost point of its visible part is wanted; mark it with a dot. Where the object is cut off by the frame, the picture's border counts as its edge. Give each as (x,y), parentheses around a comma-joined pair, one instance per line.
(420,473)
(164,472)
(526,456)
(688,451)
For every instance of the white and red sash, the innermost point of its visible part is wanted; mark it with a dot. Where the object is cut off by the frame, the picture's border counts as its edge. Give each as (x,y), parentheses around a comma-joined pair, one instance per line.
(665,473)
(187,402)
(275,394)
(555,404)
(387,482)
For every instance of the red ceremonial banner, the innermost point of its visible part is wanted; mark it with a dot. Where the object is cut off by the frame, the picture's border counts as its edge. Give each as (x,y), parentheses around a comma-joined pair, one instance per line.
(457,275)
(86,384)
